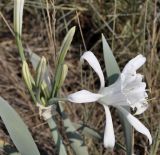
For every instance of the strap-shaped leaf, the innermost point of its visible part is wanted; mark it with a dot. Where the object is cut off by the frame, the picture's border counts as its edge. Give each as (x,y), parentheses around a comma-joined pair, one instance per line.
(113,71)
(86,130)
(34,59)
(18,131)
(63,51)
(18,19)
(66,45)
(111,65)
(93,133)
(56,136)
(76,141)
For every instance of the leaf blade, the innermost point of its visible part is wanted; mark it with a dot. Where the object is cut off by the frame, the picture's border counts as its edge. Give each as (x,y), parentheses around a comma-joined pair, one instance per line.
(76,141)
(111,65)
(63,51)
(113,72)
(18,131)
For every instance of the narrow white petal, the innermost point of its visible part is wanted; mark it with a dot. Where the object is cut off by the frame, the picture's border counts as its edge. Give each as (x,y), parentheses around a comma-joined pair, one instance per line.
(93,62)
(109,137)
(137,124)
(134,64)
(83,96)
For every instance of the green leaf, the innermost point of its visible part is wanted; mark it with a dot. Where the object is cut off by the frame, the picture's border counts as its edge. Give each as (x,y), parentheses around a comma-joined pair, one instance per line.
(34,59)
(113,72)
(18,131)
(63,51)
(111,65)
(40,72)
(56,136)
(76,141)
(63,76)
(18,19)
(86,130)
(27,75)
(18,14)
(93,133)
(66,45)
(8,149)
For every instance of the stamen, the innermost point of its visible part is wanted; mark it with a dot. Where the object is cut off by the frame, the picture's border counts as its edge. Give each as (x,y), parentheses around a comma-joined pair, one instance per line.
(151,99)
(148,90)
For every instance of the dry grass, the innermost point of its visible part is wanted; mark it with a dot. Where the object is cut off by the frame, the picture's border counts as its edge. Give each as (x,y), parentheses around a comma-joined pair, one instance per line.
(131,27)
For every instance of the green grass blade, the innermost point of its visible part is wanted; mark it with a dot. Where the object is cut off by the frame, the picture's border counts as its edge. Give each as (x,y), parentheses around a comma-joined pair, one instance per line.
(113,72)
(18,131)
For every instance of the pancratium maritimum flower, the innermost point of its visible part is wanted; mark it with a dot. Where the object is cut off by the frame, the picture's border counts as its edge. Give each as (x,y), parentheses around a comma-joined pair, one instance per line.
(128,90)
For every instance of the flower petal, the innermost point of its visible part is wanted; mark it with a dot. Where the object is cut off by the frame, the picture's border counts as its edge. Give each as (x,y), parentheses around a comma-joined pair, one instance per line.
(109,137)
(93,62)
(136,124)
(134,64)
(113,99)
(83,96)
(136,93)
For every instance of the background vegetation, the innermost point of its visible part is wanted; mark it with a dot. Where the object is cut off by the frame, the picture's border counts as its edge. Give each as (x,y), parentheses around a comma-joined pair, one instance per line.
(131,27)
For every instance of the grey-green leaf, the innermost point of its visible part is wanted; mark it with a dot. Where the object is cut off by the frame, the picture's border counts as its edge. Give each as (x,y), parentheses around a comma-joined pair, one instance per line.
(86,130)
(18,131)
(63,51)
(127,131)
(76,141)
(34,58)
(113,72)
(66,45)
(61,150)
(18,19)
(111,65)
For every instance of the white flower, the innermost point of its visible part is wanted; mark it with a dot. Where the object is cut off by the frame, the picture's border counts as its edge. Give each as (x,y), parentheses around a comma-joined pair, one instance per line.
(128,90)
